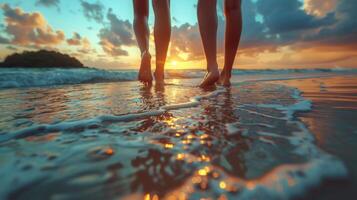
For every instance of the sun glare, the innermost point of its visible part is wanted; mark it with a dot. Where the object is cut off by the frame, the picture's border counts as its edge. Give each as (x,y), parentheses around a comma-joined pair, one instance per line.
(174,63)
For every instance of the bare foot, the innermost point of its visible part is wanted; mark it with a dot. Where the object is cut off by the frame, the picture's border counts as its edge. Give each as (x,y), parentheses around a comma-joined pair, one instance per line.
(225,79)
(159,77)
(145,75)
(210,78)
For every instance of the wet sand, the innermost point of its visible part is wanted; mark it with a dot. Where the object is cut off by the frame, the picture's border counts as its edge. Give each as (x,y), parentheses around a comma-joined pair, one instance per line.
(118,140)
(332,121)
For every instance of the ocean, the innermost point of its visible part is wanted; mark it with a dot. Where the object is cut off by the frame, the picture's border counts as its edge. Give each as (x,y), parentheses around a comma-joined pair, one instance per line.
(99,134)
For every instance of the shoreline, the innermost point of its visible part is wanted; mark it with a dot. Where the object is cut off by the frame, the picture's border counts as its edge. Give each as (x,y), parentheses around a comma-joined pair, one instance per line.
(47,77)
(259,115)
(333,134)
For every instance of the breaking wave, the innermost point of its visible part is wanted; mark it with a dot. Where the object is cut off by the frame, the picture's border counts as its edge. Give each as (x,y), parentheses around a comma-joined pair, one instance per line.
(21,77)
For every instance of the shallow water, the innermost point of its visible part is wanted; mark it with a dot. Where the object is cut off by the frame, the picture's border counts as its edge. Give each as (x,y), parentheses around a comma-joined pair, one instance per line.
(333,122)
(117,140)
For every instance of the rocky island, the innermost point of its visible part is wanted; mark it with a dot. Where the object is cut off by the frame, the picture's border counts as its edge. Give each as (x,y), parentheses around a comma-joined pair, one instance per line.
(41,59)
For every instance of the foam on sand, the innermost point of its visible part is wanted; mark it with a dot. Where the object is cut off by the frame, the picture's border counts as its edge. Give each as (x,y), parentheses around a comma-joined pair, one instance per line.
(240,143)
(285,181)
(87,123)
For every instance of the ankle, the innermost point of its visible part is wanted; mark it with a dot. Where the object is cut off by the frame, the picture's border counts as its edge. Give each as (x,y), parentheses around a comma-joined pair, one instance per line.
(227,72)
(212,66)
(213,70)
(159,74)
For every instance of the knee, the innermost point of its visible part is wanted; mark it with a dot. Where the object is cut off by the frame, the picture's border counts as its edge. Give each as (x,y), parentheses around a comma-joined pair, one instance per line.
(140,17)
(232,6)
(141,14)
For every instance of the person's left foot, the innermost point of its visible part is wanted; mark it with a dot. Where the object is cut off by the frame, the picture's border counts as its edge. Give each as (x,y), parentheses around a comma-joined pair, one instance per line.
(144,75)
(210,79)
(225,79)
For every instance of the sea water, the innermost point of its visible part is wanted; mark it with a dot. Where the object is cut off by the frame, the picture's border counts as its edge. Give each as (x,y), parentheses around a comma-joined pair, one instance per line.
(95,137)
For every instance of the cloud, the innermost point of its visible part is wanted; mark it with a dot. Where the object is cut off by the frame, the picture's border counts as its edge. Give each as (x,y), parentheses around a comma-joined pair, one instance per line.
(119,33)
(4,40)
(93,11)
(82,42)
(86,47)
(320,7)
(29,28)
(175,20)
(328,29)
(186,43)
(48,3)
(287,16)
(291,28)
(75,40)
(329,23)
(345,30)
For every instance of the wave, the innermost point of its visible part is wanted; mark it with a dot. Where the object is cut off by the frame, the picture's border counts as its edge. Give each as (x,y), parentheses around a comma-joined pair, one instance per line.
(35,77)
(20,77)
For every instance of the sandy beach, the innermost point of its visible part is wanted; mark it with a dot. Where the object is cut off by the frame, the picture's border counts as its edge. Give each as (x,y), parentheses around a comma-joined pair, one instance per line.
(279,135)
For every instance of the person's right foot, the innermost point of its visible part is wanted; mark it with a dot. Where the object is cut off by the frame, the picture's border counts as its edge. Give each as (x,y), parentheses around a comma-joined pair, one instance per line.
(145,75)
(210,78)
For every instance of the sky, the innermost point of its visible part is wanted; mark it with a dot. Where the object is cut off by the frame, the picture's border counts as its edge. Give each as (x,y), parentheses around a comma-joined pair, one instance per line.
(276,33)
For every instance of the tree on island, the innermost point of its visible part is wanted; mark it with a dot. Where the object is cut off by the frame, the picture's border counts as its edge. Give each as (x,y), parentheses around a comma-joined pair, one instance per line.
(41,59)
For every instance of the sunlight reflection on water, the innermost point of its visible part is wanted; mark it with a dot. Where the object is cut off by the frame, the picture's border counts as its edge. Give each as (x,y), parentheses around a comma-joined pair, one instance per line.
(228,146)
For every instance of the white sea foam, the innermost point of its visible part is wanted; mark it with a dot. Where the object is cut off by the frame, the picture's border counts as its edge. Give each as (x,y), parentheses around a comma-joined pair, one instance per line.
(302,105)
(283,182)
(291,181)
(71,125)
(85,123)
(267,141)
(286,181)
(258,113)
(232,129)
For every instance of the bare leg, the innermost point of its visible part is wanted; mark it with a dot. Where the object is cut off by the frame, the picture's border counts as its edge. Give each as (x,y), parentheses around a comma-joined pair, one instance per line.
(232,38)
(142,33)
(207,20)
(162,33)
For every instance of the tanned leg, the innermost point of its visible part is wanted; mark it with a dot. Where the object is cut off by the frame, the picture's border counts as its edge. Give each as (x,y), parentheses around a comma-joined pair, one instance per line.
(207,21)
(142,33)
(232,37)
(162,33)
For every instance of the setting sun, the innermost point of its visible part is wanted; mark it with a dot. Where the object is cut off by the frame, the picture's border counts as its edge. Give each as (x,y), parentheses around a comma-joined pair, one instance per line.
(174,63)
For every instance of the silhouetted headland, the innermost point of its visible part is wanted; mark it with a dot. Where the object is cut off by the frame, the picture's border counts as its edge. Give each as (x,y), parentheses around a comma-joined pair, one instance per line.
(41,59)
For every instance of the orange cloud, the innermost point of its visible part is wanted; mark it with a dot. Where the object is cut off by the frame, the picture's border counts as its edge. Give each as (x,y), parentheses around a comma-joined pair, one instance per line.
(86,46)
(29,28)
(78,40)
(320,7)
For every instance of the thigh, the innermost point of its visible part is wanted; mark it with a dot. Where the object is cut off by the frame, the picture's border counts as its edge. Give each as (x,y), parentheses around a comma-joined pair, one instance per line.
(141,7)
(230,5)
